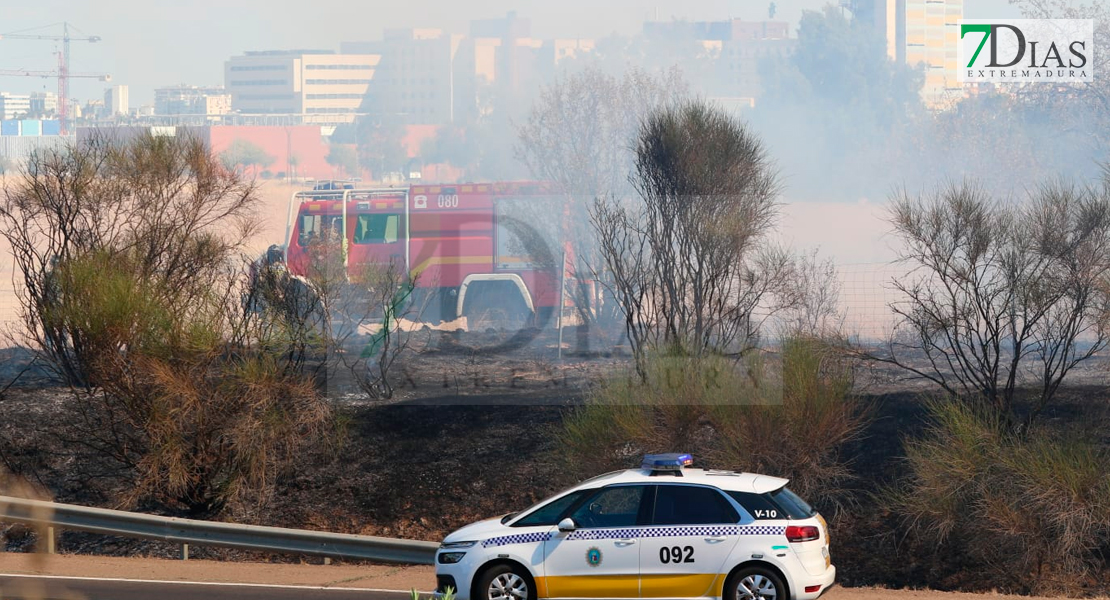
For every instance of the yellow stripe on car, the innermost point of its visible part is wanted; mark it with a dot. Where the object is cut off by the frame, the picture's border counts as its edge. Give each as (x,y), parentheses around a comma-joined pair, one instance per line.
(681,585)
(587,586)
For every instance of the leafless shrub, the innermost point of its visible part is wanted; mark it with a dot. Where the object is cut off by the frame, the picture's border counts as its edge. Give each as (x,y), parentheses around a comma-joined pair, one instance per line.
(810,299)
(1001,291)
(579,136)
(382,299)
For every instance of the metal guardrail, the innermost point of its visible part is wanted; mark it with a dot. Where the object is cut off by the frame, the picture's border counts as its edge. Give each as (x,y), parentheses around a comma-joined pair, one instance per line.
(207,533)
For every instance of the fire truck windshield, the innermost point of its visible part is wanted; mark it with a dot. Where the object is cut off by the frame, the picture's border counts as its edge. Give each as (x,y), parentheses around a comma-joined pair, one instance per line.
(376,229)
(315,228)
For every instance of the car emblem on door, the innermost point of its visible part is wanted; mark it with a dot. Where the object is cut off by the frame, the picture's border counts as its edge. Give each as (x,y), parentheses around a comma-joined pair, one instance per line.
(593,556)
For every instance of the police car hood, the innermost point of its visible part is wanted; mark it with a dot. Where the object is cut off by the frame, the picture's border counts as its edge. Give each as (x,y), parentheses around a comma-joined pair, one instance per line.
(476,532)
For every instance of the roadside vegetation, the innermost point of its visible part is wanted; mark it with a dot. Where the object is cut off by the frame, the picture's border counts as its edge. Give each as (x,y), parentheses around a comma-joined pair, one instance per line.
(1032,512)
(789,414)
(1005,301)
(129,257)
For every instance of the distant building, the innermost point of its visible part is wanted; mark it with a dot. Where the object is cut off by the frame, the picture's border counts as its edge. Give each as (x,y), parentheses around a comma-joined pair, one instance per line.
(431,77)
(299,148)
(920,33)
(733,30)
(191,100)
(414,81)
(91,111)
(321,85)
(116,101)
(44,104)
(13,106)
(510,26)
(736,48)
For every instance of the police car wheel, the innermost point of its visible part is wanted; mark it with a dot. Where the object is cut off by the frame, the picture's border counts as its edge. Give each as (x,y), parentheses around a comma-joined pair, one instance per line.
(504,582)
(755,583)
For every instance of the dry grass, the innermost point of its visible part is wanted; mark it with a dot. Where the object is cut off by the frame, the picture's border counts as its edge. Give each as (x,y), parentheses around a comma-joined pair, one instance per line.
(787,417)
(1033,511)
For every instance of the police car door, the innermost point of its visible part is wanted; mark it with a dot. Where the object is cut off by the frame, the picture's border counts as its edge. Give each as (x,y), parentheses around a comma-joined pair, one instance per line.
(600,558)
(692,532)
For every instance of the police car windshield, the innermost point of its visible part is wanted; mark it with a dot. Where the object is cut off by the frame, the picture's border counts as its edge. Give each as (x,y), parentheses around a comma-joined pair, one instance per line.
(548,504)
(550,513)
(792,504)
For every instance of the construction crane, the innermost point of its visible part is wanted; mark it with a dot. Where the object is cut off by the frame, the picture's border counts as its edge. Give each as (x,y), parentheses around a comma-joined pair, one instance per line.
(62,110)
(63,73)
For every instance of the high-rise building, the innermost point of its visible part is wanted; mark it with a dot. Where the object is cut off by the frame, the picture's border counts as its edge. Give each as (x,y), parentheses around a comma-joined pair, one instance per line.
(44,104)
(735,47)
(13,106)
(116,101)
(320,85)
(431,77)
(415,83)
(191,100)
(510,26)
(920,33)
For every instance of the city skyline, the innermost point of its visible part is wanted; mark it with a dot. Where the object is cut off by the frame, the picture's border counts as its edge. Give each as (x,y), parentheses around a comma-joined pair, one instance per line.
(182,46)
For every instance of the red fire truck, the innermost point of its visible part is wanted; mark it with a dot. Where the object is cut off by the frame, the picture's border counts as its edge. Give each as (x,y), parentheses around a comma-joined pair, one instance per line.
(470,246)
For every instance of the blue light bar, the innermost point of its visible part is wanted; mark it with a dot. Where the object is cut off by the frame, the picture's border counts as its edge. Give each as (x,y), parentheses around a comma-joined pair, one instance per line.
(667,462)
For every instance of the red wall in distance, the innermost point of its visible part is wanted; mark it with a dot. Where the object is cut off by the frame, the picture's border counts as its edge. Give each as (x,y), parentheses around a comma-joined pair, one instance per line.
(306,142)
(303,141)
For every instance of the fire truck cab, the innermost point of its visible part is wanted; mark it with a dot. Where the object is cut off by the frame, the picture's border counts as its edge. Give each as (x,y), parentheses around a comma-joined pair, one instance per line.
(471,247)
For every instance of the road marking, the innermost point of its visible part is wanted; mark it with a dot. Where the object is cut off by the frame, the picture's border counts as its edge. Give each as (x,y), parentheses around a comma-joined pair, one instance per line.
(211,583)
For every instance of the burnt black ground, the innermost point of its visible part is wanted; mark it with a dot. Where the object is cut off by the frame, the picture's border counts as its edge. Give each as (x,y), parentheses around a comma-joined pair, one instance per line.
(476,438)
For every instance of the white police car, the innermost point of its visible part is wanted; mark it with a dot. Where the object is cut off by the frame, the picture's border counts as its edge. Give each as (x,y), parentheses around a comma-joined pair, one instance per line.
(662,531)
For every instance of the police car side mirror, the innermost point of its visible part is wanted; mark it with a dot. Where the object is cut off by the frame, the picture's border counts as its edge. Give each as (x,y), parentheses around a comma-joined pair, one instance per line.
(567,524)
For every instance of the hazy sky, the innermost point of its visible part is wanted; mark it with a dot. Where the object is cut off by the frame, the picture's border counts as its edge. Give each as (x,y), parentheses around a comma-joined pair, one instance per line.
(156,43)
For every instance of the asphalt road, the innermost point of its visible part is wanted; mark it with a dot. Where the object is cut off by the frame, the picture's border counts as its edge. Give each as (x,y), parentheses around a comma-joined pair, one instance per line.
(64,588)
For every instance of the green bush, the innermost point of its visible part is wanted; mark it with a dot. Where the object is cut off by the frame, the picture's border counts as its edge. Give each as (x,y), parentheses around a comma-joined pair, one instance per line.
(133,288)
(196,404)
(1033,511)
(786,416)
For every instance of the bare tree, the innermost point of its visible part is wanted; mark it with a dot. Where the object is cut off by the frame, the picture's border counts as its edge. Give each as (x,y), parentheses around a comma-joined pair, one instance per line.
(165,201)
(244,154)
(1082,108)
(578,133)
(810,298)
(689,260)
(579,137)
(1000,291)
(129,256)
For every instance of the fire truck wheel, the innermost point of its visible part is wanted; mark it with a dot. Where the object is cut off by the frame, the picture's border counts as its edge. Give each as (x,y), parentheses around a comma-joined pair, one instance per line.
(496,305)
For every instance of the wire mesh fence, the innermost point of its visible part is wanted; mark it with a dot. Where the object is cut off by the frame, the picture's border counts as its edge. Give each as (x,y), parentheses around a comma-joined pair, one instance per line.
(866,296)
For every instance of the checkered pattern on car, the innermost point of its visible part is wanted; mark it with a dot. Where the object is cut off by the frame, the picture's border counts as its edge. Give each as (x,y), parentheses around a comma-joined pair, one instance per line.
(763,530)
(678,531)
(520,538)
(604,534)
